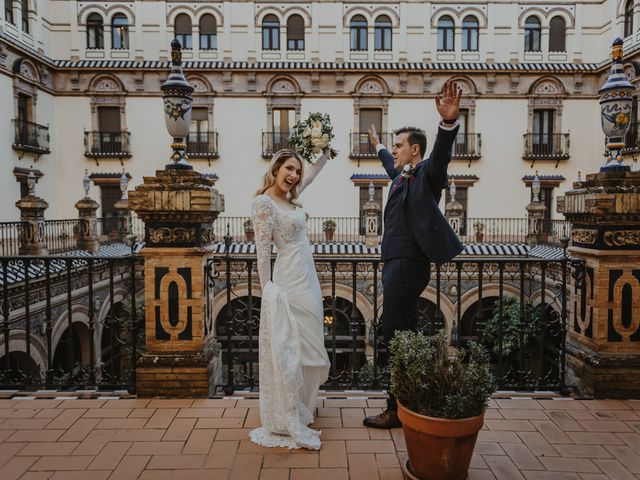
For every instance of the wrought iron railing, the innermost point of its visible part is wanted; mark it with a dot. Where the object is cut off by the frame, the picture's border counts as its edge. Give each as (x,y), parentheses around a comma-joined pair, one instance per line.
(467,145)
(38,301)
(526,341)
(361,147)
(632,139)
(30,137)
(202,144)
(274,141)
(107,144)
(549,146)
(511,230)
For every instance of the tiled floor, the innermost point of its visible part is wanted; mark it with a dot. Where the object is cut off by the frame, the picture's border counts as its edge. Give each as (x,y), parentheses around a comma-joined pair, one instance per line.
(207,439)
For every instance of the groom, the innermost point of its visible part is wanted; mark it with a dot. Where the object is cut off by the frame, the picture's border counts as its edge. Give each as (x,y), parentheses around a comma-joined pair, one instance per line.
(416,233)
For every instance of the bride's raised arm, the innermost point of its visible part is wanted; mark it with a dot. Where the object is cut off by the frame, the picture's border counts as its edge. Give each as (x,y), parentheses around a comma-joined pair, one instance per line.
(262,215)
(312,172)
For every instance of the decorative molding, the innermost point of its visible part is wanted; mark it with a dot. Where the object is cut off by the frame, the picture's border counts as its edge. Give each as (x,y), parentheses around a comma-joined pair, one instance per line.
(584,236)
(172,235)
(622,238)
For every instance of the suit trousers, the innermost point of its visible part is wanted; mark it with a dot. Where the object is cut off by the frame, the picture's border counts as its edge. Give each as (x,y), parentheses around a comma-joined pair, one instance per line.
(403,280)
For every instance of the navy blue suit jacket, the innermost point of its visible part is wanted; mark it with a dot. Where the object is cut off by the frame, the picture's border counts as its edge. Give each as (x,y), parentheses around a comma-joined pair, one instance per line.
(417,199)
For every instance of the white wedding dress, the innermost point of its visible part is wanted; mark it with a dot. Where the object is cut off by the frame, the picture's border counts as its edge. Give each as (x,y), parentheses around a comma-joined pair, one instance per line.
(293,359)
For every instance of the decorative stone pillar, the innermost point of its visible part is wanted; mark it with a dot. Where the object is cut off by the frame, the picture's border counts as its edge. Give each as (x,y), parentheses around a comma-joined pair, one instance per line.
(31,234)
(87,231)
(178,207)
(371,212)
(453,209)
(122,210)
(603,343)
(535,215)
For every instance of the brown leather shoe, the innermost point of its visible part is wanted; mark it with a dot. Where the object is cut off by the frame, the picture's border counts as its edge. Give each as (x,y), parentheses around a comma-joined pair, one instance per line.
(387,419)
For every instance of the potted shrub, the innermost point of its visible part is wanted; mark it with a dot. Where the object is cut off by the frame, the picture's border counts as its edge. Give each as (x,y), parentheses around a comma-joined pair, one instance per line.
(328,227)
(479,228)
(248,230)
(441,402)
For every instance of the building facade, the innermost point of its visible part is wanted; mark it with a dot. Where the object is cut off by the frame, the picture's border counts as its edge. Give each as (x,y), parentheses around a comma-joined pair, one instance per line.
(81,83)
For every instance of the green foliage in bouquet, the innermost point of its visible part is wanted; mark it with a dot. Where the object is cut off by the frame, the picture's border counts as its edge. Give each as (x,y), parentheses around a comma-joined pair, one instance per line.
(430,380)
(311,136)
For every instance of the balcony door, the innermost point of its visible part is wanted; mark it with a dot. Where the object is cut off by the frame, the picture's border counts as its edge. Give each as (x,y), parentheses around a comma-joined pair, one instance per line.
(24,117)
(109,195)
(368,117)
(461,145)
(283,121)
(543,124)
(109,130)
(199,133)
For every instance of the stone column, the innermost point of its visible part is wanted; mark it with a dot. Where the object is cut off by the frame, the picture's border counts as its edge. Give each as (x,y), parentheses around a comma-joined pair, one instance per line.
(372,226)
(603,344)
(87,232)
(122,210)
(535,223)
(178,207)
(31,234)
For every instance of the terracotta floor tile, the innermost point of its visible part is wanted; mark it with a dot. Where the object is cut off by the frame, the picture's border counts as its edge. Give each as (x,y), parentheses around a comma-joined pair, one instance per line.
(213,403)
(518,404)
(328,422)
(477,461)
(233,434)
(83,404)
(510,425)
(199,442)
(583,451)
(390,474)
(614,469)
(630,439)
(370,446)
(352,417)
(605,404)
(142,413)
(582,415)
(568,404)
(596,476)
(94,442)
(156,448)
(497,436)
(37,475)
(247,446)
(563,464)
(615,415)
(130,468)
(110,456)
(173,462)
(322,474)
(144,435)
(377,402)
(18,413)
(564,421)
(274,474)
(235,412)
(246,466)
(4,403)
(66,419)
(9,450)
(37,403)
(387,460)
(222,454)
(477,474)
(122,423)
(5,434)
(495,413)
(361,433)
(536,475)
(127,403)
(252,419)
(107,413)
(379,433)
(502,467)
(162,418)
(333,454)
(605,426)
(48,413)
(34,435)
(521,456)
(156,475)
(346,403)
(397,436)
(362,466)
(550,431)
(15,467)
(180,429)
(219,423)
(40,449)
(627,456)
(284,460)
(71,462)
(200,412)
(602,438)
(248,403)
(26,424)
(170,403)
(90,475)
(328,412)
(79,430)
(488,448)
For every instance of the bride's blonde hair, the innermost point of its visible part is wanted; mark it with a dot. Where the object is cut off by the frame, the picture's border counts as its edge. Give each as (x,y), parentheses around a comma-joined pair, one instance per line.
(277,161)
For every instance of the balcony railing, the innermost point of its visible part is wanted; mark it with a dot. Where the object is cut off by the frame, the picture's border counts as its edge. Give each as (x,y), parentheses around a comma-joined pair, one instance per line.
(511,230)
(202,145)
(274,141)
(361,147)
(546,146)
(467,146)
(632,139)
(107,144)
(30,137)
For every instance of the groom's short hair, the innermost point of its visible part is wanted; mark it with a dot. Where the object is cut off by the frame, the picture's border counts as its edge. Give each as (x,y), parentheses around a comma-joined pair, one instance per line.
(415,136)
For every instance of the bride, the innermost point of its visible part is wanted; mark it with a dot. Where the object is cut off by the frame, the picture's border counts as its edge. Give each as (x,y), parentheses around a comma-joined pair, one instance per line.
(293,359)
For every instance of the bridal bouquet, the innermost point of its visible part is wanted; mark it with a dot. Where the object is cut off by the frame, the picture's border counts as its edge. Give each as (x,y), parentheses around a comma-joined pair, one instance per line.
(311,136)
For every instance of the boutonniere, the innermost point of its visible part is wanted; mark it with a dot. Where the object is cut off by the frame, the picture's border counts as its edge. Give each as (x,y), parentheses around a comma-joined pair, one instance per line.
(408,171)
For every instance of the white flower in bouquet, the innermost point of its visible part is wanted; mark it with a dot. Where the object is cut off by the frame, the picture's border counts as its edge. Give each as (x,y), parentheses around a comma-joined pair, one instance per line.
(311,136)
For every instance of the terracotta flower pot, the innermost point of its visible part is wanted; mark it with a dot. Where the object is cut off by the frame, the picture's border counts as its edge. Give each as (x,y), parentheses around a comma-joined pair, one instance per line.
(328,235)
(439,449)
(249,236)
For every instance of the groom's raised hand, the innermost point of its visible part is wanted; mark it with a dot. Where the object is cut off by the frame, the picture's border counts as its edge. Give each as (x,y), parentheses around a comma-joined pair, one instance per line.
(373,136)
(448,103)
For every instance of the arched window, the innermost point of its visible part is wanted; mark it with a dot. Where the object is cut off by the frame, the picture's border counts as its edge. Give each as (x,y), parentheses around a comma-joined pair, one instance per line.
(557,34)
(358,31)
(532,34)
(120,32)
(208,32)
(182,31)
(270,33)
(470,33)
(8,11)
(95,31)
(25,15)
(445,34)
(295,33)
(628,18)
(383,30)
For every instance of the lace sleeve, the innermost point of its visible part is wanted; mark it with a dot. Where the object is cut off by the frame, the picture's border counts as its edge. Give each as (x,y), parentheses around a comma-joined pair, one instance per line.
(313,171)
(262,216)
